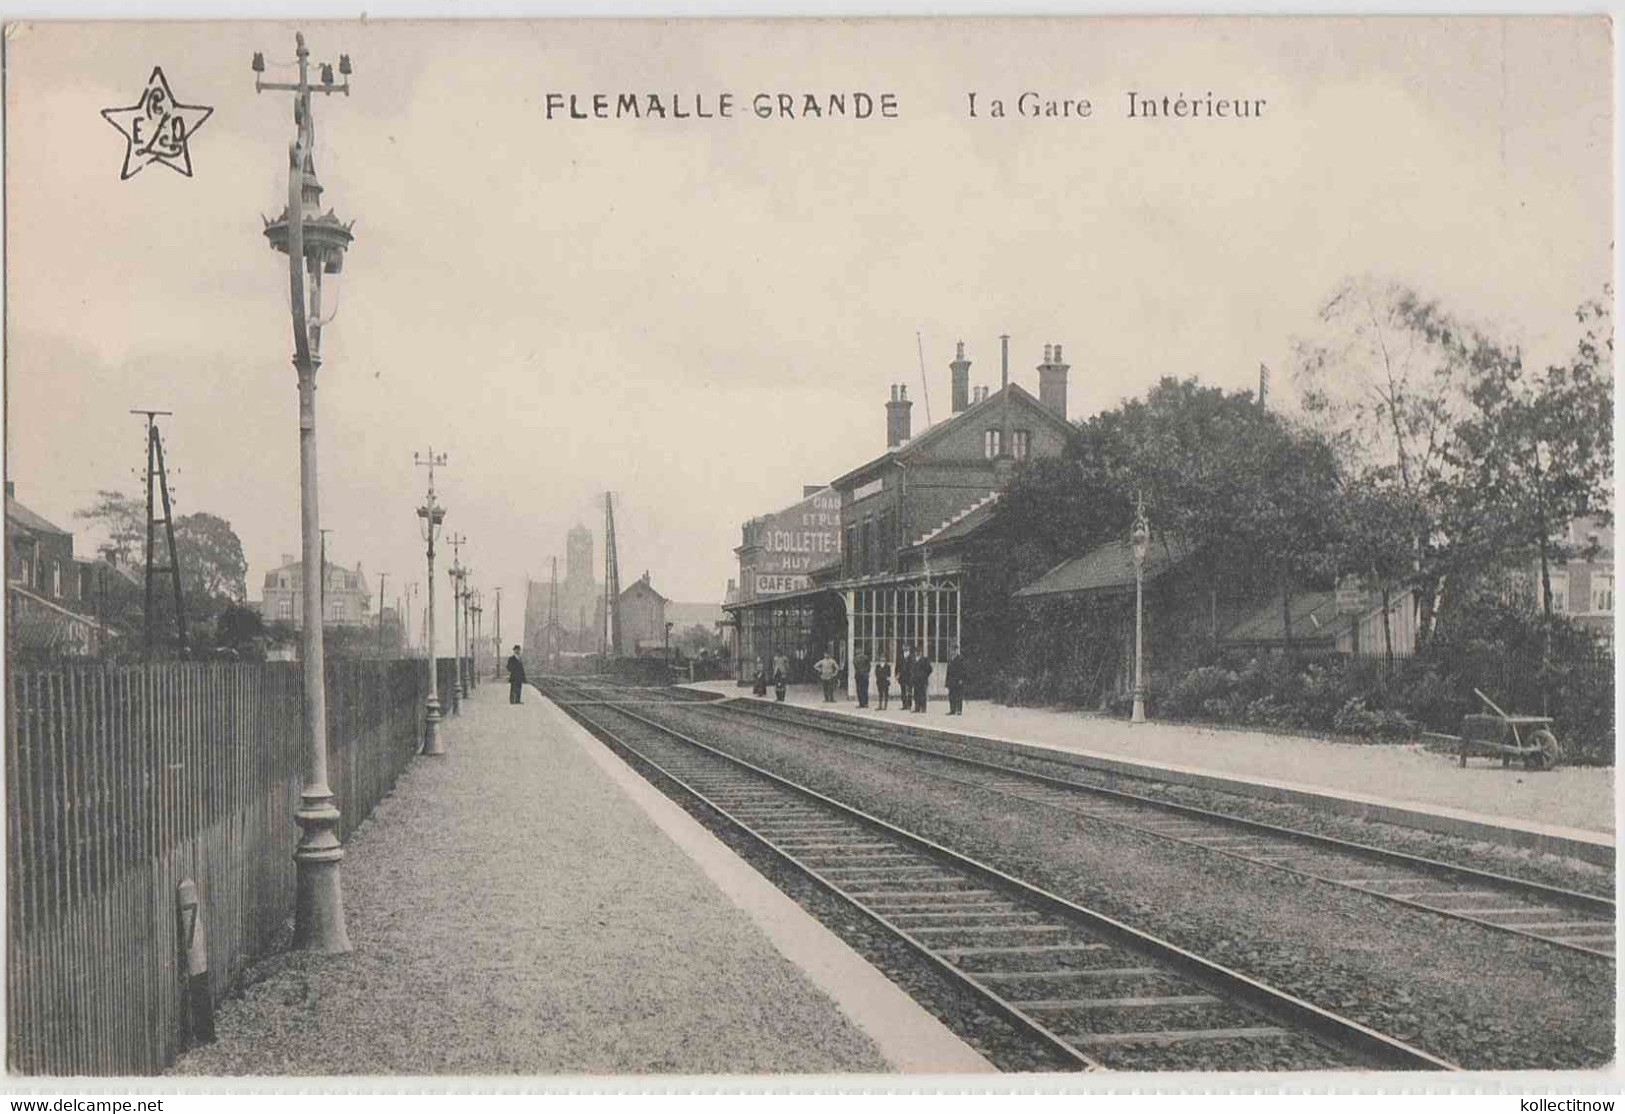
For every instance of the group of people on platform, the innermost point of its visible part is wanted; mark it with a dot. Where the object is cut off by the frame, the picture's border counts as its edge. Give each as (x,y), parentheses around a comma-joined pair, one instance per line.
(913,675)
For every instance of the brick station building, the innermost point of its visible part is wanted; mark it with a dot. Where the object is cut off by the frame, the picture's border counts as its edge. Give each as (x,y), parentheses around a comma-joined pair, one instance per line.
(904,517)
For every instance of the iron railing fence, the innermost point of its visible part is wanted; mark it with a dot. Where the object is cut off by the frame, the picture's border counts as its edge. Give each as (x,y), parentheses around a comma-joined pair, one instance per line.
(123,781)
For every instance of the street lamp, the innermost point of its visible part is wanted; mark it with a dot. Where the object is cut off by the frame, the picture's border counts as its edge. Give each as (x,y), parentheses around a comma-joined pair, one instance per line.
(455,573)
(430,516)
(1141,538)
(467,617)
(314,243)
(477,639)
(456,640)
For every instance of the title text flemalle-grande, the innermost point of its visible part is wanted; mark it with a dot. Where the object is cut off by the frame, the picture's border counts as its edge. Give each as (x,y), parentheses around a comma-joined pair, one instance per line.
(863,105)
(856,105)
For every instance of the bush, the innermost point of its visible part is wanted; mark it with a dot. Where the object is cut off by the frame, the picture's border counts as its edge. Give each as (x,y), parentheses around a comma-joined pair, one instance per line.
(1196,689)
(1354,718)
(1266,711)
(1431,700)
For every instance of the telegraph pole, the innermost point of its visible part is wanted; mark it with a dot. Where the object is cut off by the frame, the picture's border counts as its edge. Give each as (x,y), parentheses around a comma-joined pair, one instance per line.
(315,244)
(156,471)
(496,642)
(382,577)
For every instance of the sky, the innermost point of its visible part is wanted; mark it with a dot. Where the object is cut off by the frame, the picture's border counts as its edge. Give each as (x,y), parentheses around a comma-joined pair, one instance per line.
(701,316)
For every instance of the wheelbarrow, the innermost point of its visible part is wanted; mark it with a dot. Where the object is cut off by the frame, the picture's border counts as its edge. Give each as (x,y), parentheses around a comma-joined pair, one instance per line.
(1505,736)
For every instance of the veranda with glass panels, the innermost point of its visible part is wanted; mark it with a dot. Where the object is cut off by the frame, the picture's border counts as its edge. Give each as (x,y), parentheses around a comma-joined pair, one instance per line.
(920,613)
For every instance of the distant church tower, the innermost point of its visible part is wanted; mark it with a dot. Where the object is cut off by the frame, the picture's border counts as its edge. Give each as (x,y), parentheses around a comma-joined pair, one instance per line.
(578,556)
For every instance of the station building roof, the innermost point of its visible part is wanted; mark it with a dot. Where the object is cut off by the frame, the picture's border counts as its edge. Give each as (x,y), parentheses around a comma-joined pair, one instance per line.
(915,446)
(1107,569)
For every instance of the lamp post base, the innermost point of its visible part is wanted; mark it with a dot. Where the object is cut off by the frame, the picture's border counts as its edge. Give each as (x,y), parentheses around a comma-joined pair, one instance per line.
(318,911)
(1138,714)
(432,746)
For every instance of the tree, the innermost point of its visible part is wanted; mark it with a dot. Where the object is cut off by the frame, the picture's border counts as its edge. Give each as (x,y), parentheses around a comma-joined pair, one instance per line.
(1440,425)
(1248,490)
(1244,486)
(1375,523)
(123,520)
(240,630)
(697,638)
(213,569)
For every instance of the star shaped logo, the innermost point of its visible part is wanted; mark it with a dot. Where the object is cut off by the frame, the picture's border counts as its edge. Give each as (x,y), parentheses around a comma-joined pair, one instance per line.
(156,128)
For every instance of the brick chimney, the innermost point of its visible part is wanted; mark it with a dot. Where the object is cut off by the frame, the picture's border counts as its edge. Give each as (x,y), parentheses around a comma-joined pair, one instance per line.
(897,416)
(1052,380)
(961,379)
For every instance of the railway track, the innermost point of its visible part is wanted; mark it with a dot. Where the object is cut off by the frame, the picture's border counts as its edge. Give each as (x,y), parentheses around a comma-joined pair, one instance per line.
(1566,918)
(1087,991)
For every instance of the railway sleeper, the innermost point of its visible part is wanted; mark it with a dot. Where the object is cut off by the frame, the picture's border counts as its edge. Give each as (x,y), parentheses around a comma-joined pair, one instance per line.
(1117,1003)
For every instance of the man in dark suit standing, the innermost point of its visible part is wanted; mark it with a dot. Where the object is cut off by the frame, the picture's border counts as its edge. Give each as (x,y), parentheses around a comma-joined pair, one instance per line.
(955,676)
(922,679)
(516,678)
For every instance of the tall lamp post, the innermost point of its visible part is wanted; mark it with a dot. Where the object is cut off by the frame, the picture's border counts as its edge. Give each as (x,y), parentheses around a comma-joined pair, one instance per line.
(430,516)
(455,573)
(496,639)
(465,616)
(315,244)
(476,638)
(456,639)
(1141,538)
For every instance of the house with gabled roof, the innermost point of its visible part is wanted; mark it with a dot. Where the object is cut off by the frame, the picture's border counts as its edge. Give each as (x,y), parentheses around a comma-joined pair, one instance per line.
(892,575)
(58,604)
(908,514)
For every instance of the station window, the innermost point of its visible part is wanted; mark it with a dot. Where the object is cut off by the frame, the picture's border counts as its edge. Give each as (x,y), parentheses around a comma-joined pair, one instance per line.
(992,444)
(1602,591)
(1018,444)
(924,615)
(284,609)
(1560,593)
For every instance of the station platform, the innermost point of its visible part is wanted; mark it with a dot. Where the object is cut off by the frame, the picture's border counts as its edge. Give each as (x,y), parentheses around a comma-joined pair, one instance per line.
(1568,811)
(528,905)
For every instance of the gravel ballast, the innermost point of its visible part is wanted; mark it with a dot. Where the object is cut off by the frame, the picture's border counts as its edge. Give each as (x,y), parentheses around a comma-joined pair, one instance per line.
(1456,990)
(1516,862)
(512,913)
(1569,797)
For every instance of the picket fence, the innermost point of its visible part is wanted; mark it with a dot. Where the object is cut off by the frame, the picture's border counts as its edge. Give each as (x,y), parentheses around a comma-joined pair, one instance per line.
(120,783)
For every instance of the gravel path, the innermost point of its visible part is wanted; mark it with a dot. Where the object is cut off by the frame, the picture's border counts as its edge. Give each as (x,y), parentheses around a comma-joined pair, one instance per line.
(1568,797)
(512,912)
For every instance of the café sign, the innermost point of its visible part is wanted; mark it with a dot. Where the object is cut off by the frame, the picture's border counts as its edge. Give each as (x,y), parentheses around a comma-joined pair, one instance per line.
(793,542)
